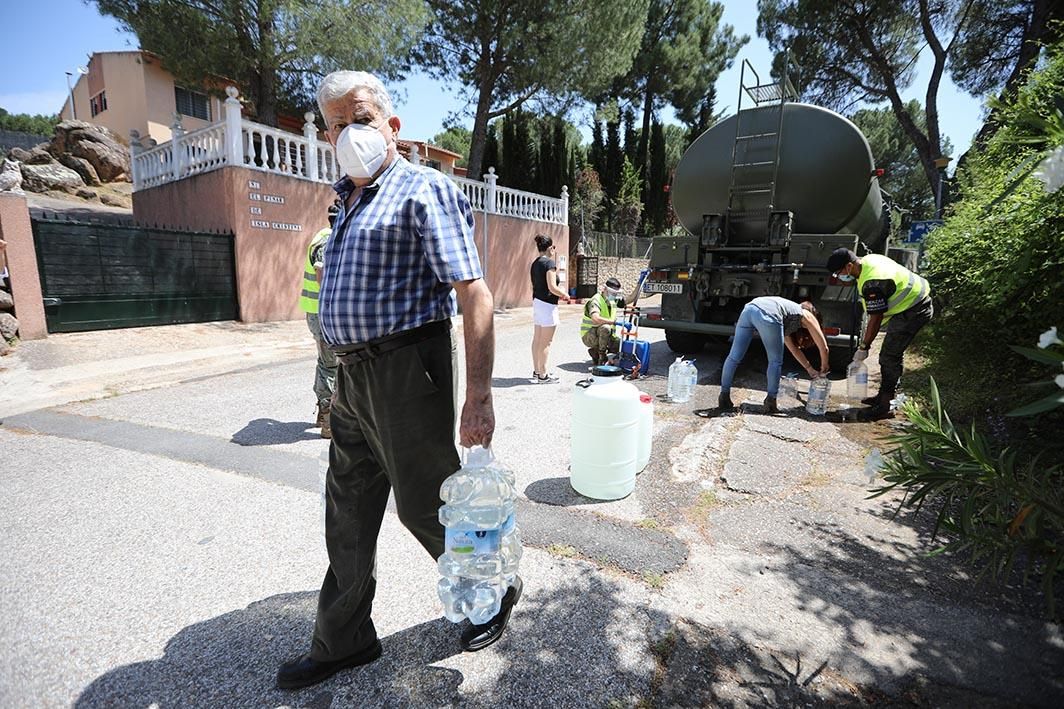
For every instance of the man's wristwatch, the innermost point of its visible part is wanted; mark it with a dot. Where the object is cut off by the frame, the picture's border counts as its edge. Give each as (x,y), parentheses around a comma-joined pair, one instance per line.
(863,346)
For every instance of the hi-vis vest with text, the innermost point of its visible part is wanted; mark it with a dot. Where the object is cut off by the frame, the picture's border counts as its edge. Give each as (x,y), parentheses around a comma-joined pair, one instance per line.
(308,299)
(909,288)
(605,312)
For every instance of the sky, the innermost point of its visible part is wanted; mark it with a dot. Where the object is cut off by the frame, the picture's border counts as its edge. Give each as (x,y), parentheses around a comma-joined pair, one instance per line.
(33,80)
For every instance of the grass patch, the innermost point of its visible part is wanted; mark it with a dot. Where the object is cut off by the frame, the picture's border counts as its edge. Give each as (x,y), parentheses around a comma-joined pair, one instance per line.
(648,523)
(655,581)
(564,551)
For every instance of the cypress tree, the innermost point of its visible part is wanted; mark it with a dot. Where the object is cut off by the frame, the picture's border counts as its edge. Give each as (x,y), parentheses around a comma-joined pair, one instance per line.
(614,161)
(491,152)
(657,175)
(547,160)
(524,152)
(596,156)
(510,158)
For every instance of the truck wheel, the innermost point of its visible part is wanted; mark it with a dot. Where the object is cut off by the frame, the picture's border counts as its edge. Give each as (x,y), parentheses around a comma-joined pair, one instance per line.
(685,342)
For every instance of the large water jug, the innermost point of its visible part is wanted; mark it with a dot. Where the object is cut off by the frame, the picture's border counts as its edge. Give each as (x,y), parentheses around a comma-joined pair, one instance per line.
(856,383)
(481,543)
(646,431)
(604,440)
(817,403)
(682,379)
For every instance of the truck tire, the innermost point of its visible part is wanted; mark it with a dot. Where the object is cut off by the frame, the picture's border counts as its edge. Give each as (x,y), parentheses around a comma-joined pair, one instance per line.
(685,342)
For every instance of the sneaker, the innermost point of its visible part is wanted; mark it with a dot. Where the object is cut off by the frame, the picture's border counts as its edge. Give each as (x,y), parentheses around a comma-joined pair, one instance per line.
(544,378)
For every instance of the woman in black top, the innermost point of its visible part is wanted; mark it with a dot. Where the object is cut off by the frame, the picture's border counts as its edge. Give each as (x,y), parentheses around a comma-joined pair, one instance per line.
(546,292)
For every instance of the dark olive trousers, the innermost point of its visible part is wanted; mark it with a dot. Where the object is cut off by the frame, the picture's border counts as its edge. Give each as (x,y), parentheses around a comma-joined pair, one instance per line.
(393,426)
(901,329)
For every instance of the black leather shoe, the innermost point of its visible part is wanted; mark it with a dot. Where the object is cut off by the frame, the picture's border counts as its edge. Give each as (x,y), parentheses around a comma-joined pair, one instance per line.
(305,670)
(770,406)
(871,400)
(724,403)
(877,413)
(478,637)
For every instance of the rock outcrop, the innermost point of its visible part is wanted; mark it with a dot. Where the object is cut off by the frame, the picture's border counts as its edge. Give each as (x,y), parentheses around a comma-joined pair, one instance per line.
(10,176)
(41,178)
(80,154)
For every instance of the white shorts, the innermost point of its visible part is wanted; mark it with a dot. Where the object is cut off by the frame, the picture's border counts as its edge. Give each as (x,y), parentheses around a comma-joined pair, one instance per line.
(544,314)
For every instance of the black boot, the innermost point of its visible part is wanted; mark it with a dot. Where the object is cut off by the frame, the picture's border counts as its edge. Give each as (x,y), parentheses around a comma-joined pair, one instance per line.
(724,403)
(769,406)
(879,408)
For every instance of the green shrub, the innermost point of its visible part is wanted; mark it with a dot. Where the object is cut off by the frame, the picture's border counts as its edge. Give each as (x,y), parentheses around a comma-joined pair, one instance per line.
(996,264)
(996,505)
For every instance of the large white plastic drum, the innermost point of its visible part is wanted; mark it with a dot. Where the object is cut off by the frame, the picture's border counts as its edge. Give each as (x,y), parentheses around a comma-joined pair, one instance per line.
(605,440)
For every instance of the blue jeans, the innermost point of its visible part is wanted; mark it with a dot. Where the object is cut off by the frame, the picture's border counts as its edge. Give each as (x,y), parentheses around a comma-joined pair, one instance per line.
(771,332)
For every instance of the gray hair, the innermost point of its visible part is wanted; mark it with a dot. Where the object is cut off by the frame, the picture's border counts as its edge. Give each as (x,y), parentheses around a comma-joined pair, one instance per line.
(341,83)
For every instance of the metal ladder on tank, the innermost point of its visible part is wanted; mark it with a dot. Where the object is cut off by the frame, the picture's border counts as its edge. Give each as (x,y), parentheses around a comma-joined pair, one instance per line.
(754,201)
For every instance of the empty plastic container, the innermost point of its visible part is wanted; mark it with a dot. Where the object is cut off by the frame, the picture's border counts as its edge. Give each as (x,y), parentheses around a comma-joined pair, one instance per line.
(605,435)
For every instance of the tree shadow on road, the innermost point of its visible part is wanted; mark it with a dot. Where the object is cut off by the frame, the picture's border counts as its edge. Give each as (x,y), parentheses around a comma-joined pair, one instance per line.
(898,615)
(270,432)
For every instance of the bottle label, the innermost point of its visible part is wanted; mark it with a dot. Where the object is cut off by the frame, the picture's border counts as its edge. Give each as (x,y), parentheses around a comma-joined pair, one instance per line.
(462,542)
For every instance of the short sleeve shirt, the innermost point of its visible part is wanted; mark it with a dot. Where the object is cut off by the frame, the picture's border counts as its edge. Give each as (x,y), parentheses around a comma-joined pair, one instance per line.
(540,271)
(876,293)
(394,254)
(787,312)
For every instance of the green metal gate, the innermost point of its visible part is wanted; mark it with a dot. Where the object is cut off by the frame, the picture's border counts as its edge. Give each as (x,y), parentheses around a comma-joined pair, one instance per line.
(99,276)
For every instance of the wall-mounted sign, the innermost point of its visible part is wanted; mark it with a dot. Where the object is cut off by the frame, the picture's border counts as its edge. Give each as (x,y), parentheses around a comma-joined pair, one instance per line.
(257,210)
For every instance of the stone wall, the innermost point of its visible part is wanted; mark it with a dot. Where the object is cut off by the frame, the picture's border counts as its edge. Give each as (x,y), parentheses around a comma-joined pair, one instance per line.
(626,270)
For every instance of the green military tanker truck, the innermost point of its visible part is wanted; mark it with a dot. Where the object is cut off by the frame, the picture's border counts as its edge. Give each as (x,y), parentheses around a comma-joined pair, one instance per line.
(765,196)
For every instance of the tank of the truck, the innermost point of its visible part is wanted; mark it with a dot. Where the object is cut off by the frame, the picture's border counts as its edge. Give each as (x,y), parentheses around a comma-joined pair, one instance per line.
(825,176)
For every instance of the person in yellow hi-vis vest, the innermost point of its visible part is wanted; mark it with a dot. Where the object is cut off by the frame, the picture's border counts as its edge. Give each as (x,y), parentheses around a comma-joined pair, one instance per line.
(325,372)
(600,315)
(894,296)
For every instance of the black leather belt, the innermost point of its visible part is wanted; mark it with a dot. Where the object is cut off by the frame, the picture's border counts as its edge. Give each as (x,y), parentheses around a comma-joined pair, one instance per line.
(365,351)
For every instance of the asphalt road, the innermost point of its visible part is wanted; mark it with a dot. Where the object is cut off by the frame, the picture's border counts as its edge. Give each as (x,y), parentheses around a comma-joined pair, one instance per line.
(162,546)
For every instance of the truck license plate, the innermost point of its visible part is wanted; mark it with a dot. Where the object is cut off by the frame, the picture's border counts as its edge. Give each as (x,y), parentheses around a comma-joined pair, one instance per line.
(654,287)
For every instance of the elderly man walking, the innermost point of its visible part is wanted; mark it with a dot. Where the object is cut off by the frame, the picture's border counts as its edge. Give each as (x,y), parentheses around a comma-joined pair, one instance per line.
(402,248)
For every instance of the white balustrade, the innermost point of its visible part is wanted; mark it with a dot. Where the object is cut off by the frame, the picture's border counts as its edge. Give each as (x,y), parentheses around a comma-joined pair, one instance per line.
(236,141)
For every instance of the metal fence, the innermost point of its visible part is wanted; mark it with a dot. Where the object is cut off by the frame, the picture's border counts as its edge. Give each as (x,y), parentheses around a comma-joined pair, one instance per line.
(597,243)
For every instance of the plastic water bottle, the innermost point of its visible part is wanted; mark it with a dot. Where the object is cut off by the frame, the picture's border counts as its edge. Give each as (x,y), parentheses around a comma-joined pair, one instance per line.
(482,548)
(817,404)
(682,379)
(856,383)
(873,464)
(788,393)
(675,372)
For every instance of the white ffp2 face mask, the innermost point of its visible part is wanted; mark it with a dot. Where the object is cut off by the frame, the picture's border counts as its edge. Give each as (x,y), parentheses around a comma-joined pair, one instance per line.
(361,151)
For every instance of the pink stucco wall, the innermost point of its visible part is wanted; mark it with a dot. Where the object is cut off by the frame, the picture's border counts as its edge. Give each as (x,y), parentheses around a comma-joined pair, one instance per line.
(511,250)
(269,261)
(17,231)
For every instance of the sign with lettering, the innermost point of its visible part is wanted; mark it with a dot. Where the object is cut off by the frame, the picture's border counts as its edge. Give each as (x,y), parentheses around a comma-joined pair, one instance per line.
(253,185)
(284,226)
(256,210)
(254,196)
(260,224)
(273,198)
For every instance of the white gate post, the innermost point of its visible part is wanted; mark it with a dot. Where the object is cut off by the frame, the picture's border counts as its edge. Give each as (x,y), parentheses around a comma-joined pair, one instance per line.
(135,167)
(234,138)
(177,148)
(563,218)
(489,200)
(310,133)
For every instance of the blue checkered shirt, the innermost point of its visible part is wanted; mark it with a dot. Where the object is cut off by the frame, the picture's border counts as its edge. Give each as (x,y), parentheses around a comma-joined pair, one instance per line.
(394,254)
